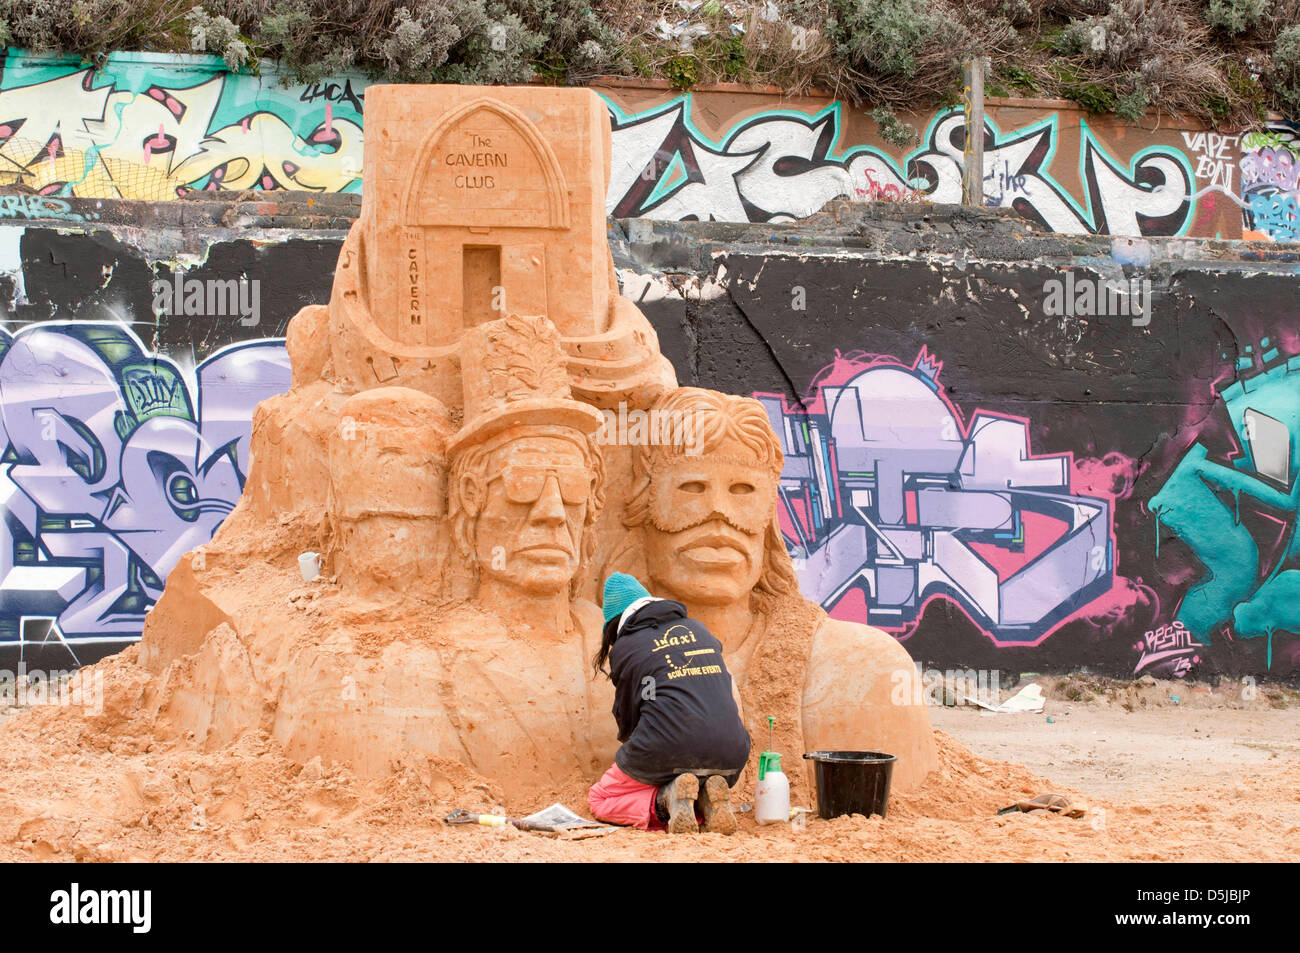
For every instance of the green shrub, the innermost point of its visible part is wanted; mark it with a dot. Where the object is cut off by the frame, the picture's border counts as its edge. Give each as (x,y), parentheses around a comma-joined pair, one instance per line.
(893,129)
(413,41)
(1018,12)
(1286,66)
(1017,76)
(1133,105)
(1235,16)
(1093,97)
(218,35)
(884,36)
(1177,56)
(683,71)
(1074,38)
(93,28)
(1247,89)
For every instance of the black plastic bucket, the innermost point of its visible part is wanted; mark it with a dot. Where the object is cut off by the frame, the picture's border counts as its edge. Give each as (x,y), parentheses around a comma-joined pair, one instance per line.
(852,782)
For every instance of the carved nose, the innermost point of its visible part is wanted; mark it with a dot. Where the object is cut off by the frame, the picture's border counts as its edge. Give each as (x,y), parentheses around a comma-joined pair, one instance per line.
(549,507)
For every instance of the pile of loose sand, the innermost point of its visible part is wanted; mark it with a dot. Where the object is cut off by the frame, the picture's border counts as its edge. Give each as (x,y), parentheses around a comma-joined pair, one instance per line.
(103,787)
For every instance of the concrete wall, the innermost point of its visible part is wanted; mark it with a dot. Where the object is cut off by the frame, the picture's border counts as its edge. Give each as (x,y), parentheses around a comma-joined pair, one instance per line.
(1071,446)
(155,127)
(1015,450)
(137,340)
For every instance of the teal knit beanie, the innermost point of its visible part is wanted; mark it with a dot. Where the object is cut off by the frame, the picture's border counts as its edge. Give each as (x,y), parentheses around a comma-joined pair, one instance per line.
(621,590)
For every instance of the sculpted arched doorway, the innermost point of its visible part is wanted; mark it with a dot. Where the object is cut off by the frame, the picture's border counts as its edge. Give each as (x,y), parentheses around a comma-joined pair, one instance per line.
(485,189)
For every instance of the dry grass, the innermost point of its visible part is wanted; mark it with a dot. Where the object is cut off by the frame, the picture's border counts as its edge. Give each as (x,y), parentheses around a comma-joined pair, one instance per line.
(1160,55)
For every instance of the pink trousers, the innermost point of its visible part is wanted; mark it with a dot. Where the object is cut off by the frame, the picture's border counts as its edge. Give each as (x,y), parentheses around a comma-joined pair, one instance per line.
(619,799)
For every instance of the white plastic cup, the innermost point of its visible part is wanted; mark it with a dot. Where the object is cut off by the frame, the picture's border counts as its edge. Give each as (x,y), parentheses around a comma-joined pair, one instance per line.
(309,566)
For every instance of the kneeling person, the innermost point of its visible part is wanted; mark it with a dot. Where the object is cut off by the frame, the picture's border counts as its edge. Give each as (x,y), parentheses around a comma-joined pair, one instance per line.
(677,717)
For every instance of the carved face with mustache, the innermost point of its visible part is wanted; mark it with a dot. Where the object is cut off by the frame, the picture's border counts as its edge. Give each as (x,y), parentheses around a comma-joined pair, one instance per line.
(704,538)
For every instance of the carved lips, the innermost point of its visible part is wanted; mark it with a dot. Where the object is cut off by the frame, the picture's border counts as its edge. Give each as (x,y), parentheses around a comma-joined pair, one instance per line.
(714,549)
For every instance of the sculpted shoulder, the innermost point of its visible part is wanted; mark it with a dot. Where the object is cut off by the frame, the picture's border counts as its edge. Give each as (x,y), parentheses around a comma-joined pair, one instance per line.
(855,652)
(591,622)
(853,700)
(467,622)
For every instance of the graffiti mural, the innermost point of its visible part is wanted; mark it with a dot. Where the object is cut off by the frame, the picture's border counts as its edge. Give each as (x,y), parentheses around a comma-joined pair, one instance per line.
(782,165)
(1270,182)
(1238,515)
(158,127)
(116,462)
(1167,652)
(155,126)
(1153,196)
(1098,495)
(889,500)
(777,167)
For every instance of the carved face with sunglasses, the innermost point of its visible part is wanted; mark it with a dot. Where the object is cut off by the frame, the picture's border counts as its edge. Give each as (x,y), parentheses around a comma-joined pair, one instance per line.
(523,507)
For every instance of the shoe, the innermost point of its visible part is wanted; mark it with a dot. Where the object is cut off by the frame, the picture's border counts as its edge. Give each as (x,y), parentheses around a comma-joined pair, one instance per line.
(715,805)
(677,800)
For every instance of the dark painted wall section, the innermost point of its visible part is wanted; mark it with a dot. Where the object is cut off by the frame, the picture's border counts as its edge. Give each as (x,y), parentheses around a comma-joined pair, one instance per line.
(125,425)
(96,276)
(1119,400)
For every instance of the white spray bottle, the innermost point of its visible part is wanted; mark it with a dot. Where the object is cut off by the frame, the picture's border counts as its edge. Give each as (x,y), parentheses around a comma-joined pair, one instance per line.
(772,798)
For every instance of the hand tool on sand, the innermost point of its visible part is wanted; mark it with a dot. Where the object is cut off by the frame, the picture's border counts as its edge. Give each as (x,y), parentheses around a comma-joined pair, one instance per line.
(462,816)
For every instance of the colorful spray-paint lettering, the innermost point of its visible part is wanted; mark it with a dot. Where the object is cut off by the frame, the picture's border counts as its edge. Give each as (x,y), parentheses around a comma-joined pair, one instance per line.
(888,500)
(116,466)
(148,126)
(1250,587)
(1270,182)
(784,165)
(153,126)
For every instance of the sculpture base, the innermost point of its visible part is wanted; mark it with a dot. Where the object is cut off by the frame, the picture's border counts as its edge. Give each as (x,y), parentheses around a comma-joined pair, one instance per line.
(365,683)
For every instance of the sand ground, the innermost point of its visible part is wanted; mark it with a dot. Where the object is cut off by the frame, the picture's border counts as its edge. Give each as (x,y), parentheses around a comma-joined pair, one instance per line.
(1131,756)
(1169,771)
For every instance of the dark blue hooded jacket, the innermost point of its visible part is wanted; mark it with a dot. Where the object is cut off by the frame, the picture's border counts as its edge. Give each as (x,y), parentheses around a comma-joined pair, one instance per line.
(673,700)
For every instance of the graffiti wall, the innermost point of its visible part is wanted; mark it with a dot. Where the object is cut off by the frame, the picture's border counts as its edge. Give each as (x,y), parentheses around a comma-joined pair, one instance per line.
(1236,511)
(779,165)
(116,465)
(152,126)
(1270,182)
(125,413)
(891,497)
(999,468)
(1012,453)
(156,127)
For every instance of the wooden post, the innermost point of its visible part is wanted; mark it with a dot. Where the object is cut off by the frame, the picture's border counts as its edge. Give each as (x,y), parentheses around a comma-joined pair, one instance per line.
(972,181)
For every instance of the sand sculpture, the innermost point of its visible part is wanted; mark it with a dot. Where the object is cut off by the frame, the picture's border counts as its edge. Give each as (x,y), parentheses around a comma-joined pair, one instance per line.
(447,447)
